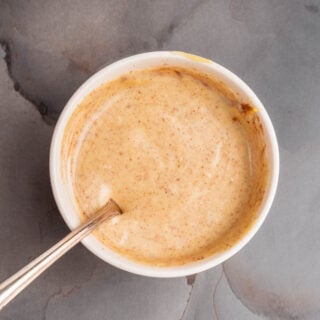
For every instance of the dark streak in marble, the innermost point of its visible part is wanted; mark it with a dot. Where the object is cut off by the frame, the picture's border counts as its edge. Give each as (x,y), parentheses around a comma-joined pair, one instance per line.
(7,54)
(58,71)
(224,272)
(191,282)
(57,293)
(65,292)
(312,8)
(40,106)
(191,279)
(46,224)
(215,290)
(275,307)
(165,34)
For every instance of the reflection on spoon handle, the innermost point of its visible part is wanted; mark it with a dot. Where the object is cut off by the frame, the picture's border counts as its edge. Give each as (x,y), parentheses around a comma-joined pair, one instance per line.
(17,282)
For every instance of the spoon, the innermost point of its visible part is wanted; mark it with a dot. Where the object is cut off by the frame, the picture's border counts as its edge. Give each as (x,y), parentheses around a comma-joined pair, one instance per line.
(17,282)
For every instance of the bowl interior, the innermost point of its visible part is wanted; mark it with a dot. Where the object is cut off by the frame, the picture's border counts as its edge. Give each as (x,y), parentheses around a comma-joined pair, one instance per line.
(64,195)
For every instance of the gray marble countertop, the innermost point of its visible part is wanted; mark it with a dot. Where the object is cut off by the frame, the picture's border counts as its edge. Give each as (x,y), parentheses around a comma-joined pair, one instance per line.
(48,48)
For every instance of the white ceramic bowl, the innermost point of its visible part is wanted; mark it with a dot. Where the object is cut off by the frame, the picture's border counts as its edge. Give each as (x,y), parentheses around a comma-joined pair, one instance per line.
(66,203)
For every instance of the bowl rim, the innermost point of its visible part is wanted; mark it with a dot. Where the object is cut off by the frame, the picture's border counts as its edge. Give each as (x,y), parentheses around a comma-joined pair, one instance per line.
(95,246)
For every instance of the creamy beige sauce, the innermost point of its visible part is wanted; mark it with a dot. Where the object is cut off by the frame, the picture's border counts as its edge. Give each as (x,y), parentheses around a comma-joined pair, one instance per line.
(185,163)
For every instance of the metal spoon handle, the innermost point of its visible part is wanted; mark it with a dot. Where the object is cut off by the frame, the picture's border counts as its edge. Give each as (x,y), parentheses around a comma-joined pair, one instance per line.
(17,282)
